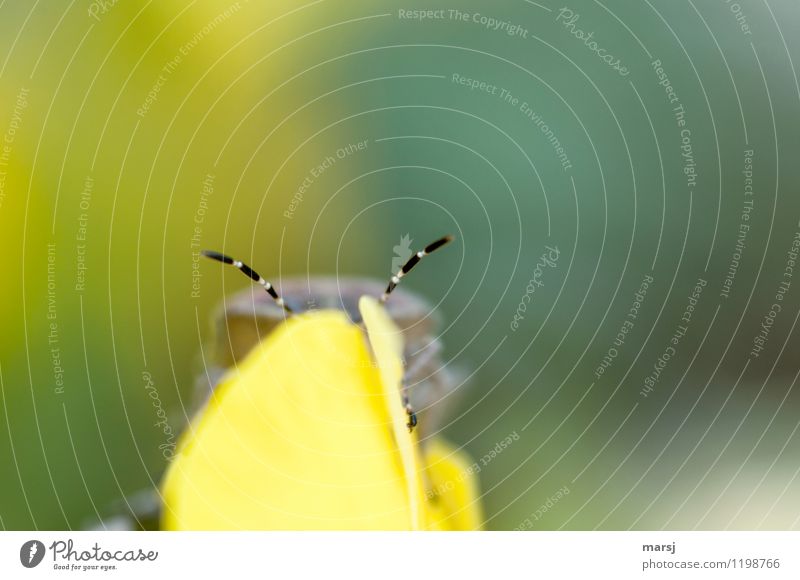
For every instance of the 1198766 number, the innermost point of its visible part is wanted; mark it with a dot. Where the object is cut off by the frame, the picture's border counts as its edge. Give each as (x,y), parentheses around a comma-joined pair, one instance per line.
(757,563)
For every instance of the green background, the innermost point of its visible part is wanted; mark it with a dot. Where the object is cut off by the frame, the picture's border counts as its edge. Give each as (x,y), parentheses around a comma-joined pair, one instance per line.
(264,92)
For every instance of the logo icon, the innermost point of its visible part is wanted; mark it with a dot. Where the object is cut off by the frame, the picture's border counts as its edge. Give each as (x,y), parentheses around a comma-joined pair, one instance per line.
(31,553)
(402,252)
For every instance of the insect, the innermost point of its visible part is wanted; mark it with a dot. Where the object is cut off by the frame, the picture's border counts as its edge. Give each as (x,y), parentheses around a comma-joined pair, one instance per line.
(312,424)
(247,319)
(306,415)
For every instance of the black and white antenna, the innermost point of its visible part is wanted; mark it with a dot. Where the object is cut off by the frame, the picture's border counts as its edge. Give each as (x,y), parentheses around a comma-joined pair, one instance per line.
(250,273)
(413,261)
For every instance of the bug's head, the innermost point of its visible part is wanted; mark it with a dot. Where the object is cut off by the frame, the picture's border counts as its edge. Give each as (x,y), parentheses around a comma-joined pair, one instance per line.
(250,315)
(323,293)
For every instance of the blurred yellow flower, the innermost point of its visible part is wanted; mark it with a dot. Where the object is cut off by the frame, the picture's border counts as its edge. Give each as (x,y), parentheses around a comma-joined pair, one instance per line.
(309,433)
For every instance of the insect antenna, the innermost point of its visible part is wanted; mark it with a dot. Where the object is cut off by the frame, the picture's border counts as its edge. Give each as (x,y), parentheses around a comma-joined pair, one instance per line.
(250,273)
(413,261)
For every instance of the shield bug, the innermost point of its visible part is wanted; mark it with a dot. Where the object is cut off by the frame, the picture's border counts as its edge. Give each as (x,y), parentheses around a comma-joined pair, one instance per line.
(248,317)
(285,403)
(312,424)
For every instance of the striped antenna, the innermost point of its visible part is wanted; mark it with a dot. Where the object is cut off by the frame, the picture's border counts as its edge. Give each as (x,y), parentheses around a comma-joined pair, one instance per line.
(250,273)
(413,261)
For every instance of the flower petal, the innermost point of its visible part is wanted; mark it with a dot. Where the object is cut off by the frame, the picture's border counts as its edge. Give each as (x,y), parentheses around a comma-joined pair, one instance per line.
(298,437)
(453,494)
(387,347)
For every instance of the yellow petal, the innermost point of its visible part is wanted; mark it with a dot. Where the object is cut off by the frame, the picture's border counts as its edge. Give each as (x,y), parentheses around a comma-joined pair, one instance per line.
(452,494)
(452,500)
(387,348)
(298,437)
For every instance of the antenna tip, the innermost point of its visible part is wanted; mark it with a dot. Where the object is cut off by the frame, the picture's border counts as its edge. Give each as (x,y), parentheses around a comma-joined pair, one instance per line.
(217,256)
(438,244)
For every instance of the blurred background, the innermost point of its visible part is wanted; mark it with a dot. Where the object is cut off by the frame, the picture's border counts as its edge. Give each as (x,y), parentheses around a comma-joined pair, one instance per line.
(621,179)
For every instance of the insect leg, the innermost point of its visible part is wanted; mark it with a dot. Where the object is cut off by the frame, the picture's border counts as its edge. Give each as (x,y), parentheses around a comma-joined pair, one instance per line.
(413,261)
(250,273)
(412,416)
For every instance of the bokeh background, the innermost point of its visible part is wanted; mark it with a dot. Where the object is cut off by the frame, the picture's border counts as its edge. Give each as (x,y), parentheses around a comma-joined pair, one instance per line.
(134,133)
